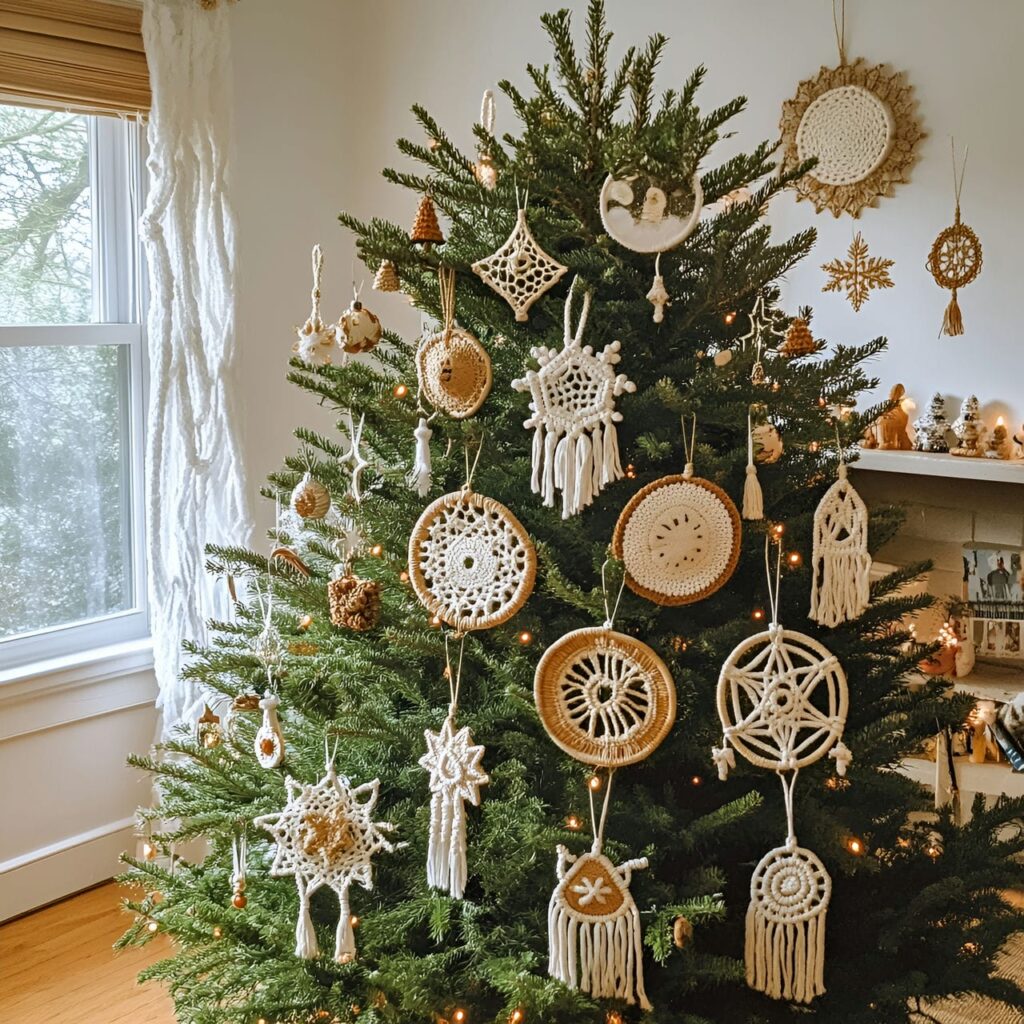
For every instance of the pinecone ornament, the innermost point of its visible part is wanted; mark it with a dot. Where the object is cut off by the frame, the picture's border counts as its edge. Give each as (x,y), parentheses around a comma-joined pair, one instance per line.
(355,603)
(799,341)
(425,228)
(386,278)
(311,499)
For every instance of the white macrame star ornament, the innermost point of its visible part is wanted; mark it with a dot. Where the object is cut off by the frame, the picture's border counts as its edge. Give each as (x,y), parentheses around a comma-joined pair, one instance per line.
(572,398)
(456,775)
(326,835)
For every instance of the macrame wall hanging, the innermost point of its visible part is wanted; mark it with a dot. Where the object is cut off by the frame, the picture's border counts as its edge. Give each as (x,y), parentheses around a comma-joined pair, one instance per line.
(840,562)
(955,257)
(520,271)
(471,562)
(650,216)
(573,415)
(326,836)
(607,700)
(456,775)
(859,122)
(782,701)
(314,340)
(678,537)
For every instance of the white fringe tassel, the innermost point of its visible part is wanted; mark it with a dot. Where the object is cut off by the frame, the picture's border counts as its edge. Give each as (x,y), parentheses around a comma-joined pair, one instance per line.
(305,936)
(579,465)
(753,499)
(446,854)
(786,960)
(345,936)
(419,479)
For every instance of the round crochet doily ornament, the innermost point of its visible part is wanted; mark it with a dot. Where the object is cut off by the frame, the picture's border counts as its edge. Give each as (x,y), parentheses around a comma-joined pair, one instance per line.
(782,699)
(604,697)
(849,131)
(679,540)
(454,372)
(790,885)
(645,217)
(471,563)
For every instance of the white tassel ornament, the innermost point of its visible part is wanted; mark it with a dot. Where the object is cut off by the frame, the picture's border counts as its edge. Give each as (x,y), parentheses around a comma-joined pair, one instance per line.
(753,499)
(419,478)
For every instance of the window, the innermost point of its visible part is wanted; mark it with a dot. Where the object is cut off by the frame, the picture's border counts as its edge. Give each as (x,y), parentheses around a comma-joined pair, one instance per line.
(71,373)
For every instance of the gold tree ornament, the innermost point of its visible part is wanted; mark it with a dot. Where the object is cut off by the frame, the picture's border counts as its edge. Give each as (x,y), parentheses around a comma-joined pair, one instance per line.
(859,274)
(386,278)
(425,229)
(955,257)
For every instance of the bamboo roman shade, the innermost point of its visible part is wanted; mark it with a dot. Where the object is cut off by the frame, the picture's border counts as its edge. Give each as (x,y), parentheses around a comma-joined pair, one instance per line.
(81,54)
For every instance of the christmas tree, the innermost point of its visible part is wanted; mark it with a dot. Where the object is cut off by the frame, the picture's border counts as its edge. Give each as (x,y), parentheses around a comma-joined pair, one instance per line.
(916,911)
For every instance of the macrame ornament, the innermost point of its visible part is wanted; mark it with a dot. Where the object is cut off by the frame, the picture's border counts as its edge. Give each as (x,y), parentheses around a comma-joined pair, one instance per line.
(420,476)
(859,274)
(471,563)
(484,170)
(859,122)
(358,329)
(840,563)
(753,499)
(326,836)
(314,340)
(573,416)
(425,229)
(955,257)
(269,741)
(647,216)
(354,602)
(386,278)
(354,457)
(782,701)
(679,537)
(239,856)
(520,271)
(454,369)
(310,499)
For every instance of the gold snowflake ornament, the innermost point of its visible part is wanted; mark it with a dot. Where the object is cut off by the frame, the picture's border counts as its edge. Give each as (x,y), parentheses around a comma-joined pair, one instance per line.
(858,274)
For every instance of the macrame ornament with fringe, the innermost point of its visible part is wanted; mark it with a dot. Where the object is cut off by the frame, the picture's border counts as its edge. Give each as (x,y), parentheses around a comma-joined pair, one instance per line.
(315,340)
(573,416)
(753,499)
(840,562)
(421,474)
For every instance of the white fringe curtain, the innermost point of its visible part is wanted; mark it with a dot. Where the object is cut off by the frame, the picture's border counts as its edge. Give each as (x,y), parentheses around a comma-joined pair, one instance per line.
(194,474)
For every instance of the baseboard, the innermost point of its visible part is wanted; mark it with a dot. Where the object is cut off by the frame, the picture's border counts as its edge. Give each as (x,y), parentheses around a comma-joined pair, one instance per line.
(52,872)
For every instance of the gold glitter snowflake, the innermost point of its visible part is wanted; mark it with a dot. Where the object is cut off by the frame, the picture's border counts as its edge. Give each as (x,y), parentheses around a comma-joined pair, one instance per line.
(858,274)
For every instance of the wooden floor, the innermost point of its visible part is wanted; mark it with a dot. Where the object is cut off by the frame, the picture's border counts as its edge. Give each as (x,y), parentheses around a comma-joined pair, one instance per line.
(57,966)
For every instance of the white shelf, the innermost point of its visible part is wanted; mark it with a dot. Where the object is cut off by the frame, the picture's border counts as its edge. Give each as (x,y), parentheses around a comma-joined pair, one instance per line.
(993,682)
(1007,471)
(990,778)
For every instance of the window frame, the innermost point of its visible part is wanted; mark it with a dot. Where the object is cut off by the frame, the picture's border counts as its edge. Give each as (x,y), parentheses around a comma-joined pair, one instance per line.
(117,185)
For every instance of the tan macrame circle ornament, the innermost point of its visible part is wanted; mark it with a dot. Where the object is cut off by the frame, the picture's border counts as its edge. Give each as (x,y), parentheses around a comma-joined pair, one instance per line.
(605,698)
(471,563)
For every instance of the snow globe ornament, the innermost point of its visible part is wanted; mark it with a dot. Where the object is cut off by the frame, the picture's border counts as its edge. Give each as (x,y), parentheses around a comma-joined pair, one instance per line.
(650,216)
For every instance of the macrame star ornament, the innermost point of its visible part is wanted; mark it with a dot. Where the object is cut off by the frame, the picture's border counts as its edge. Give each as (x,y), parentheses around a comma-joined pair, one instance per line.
(572,400)
(520,271)
(326,836)
(456,775)
(859,274)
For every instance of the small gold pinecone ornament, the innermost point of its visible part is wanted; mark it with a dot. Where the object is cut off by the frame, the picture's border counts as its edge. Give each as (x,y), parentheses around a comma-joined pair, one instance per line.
(799,341)
(359,330)
(682,932)
(355,603)
(311,499)
(386,278)
(425,228)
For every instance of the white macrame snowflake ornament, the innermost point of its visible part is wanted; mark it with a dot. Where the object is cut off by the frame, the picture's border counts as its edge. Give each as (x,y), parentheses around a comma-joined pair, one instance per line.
(572,398)
(456,775)
(520,271)
(326,835)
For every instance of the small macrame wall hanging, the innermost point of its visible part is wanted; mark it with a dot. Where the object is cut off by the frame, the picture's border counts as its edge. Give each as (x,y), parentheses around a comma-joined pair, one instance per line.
(608,700)
(840,562)
(859,121)
(573,415)
(326,836)
(315,340)
(471,562)
(453,762)
(782,701)
(955,257)
(859,274)
(649,216)
(520,271)
(678,537)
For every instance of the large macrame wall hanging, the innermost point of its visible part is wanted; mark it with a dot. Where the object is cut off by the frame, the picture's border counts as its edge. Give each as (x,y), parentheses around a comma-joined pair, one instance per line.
(955,257)
(678,537)
(840,562)
(573,416)
(859,122)
(607,700)
(782,701)
(650,216)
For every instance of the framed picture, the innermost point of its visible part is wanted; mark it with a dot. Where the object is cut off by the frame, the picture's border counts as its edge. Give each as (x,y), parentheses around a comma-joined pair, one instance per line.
(993,589)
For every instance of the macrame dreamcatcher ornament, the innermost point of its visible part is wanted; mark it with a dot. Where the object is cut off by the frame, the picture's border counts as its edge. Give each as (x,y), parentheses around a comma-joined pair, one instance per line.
(454,369)
(456,775)
(484,170)
(268,743)
(679,537)
(859,122)
(840,562)
(573,416)
(649,216)
(314,340)
(782,702)
(520,271)
(607,700)
(955,257)
(471,563)
(358,330)
(326,836)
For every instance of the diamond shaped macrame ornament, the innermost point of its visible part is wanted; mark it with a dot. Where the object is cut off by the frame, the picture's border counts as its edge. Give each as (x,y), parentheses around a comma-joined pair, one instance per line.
(520,271)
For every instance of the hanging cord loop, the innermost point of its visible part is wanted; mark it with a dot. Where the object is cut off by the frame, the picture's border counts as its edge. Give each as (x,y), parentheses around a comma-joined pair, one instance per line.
(609,614)
(788,783)
(454,678)
(317,259)
(597,826)
(773,588)
(487,112)
(839,24)
(577,337)
(471,469)
(689,444)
